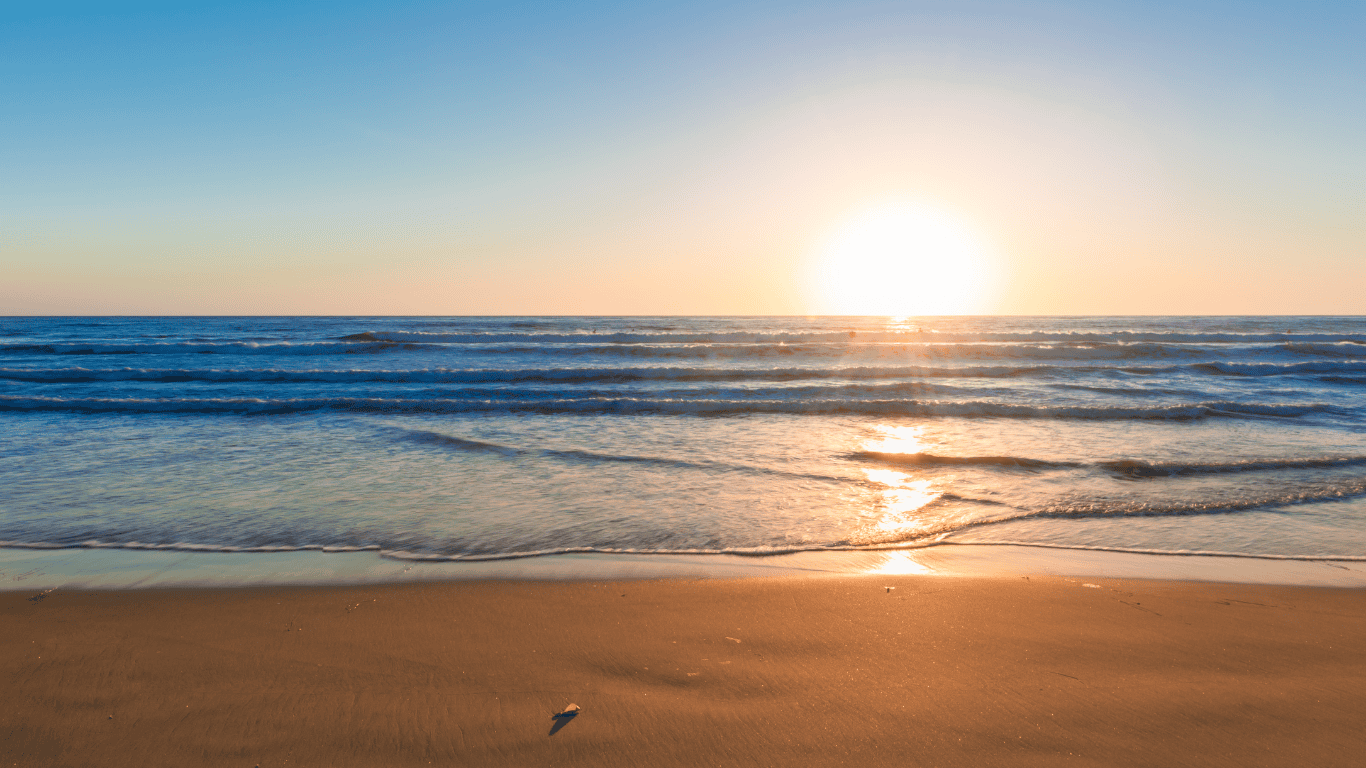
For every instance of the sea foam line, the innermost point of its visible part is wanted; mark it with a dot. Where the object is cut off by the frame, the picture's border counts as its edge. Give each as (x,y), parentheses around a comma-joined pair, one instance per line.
(683,406)
(759,552)
(77,374)
(1148,551)
(666,349)
(479,446)
(1128,468)
(844,336)
(917,539)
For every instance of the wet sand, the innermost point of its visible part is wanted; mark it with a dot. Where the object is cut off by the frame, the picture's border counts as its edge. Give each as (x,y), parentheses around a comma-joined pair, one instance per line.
(939,671)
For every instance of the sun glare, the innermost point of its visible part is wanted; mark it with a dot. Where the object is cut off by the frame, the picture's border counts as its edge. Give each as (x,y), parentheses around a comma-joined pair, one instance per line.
(903,259)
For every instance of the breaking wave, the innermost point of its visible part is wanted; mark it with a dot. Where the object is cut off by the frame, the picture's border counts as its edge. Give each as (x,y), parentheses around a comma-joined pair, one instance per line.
(682,347)
(934,536)
(479,446)
(1128,468)
(861,336)
(699,406)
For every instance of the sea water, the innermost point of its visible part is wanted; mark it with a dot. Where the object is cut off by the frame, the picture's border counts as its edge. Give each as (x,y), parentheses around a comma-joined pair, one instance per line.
(483,438)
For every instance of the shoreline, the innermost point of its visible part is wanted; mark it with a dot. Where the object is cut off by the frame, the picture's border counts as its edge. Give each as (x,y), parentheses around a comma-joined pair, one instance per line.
(115,568)
(894,670)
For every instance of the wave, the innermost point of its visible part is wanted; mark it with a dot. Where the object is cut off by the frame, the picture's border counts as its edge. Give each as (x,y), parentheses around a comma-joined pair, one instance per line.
(1107,508)
(1127,391)
(939,540)
(1339,349)
(1261,369)
(1327,371)
(646,406)
(479,446)
(933,460)
(680,348)
(1348,380)
(845,336)
(1128,468)
(1113,509)
(1150,551)
(1136,468)
(906,350)
(76,375)
(181,546)
(198,348)
(513,385)
(853,392)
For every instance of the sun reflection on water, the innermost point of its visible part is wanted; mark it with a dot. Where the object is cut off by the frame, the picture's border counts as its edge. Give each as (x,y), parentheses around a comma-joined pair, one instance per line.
(897,439)
(903,505)
(899,502)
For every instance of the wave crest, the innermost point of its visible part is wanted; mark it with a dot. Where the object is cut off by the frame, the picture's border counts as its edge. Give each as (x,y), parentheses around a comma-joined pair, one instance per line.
(646,406)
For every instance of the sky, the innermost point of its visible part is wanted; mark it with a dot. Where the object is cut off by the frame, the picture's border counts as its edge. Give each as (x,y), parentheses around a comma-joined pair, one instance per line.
(661,158)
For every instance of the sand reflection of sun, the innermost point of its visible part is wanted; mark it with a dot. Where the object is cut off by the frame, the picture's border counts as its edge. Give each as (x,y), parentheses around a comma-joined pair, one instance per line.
(900,564)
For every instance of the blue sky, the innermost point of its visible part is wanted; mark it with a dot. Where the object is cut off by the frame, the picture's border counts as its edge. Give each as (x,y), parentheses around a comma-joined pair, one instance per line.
(642,158)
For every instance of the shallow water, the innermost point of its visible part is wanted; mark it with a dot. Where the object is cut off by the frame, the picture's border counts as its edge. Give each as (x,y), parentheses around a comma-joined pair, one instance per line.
(468,438)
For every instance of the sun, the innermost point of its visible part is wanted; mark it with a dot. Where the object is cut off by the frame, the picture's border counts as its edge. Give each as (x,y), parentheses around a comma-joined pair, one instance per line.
(902,259)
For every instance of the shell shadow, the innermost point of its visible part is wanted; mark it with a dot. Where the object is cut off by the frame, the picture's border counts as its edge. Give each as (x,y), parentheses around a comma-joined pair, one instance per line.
(561,720)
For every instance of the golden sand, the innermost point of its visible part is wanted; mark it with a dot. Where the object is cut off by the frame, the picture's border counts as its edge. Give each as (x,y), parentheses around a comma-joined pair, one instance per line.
(782,672)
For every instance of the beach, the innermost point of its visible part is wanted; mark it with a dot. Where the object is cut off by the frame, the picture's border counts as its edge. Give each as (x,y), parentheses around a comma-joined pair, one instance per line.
(825,670)
(962,541)
(390,385)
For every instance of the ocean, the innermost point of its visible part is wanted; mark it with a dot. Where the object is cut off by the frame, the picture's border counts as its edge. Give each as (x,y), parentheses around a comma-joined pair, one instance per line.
(457,439)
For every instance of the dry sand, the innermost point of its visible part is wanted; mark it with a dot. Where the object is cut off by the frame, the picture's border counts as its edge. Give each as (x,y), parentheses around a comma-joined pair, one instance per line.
(783,672)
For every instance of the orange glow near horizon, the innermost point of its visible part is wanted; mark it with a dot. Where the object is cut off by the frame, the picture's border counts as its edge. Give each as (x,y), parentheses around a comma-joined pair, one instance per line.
(903,259)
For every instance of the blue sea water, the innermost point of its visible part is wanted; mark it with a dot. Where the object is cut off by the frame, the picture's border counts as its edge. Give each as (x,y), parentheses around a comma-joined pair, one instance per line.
(481,438)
